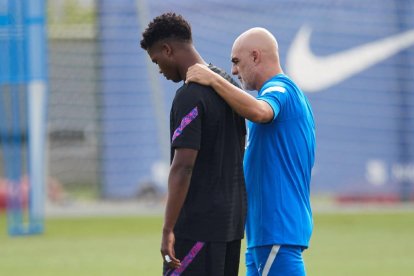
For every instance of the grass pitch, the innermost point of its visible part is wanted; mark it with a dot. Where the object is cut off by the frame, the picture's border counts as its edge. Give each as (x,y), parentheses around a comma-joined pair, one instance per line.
(342,244)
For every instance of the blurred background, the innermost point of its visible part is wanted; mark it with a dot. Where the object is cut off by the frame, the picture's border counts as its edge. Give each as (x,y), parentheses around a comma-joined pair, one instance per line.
(107,108)
(84,114)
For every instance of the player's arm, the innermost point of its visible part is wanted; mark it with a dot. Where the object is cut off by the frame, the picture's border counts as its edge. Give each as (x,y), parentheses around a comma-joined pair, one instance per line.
(178,184)
(242,102)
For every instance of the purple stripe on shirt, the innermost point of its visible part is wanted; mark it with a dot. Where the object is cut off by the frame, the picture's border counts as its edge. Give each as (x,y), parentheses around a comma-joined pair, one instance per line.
(187,259)
(184,122)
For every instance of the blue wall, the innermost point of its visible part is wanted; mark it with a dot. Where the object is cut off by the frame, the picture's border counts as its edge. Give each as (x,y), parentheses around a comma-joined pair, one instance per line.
(365,121)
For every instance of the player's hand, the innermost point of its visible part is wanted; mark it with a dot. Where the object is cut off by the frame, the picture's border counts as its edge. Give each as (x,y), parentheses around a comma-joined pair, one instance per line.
(167,249)
(200,73)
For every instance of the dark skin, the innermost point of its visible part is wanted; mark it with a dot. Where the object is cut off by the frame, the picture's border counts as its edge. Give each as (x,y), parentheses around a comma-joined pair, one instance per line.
(178,185)
(173,59)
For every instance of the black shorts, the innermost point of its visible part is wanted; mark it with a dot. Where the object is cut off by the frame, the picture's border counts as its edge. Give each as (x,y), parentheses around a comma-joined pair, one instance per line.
(205,258)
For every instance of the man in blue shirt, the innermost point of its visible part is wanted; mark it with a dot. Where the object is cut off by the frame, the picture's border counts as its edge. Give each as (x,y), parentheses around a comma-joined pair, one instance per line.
(279,155)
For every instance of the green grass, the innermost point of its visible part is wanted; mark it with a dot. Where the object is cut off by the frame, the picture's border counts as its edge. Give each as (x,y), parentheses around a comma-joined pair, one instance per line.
(362,244)
(342,244)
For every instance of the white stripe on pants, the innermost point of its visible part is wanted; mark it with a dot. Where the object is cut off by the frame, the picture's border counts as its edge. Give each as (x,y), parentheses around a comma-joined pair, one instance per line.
(270,259)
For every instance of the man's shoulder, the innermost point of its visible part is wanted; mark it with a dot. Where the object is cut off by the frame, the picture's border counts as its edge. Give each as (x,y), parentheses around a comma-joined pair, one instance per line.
(278,80)
(199,90)
(191,88)
(194,90)
(192,94)
(285,81)
(279,83)
(224,74)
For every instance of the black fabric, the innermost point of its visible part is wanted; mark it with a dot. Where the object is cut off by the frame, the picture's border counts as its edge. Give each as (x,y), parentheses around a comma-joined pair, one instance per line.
(214,259)
(215,206)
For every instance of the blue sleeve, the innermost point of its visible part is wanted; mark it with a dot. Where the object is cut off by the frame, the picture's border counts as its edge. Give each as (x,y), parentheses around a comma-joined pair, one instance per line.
(275,97)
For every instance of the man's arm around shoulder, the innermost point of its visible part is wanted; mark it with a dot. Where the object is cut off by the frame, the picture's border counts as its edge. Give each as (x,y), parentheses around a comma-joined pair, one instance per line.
(240,101)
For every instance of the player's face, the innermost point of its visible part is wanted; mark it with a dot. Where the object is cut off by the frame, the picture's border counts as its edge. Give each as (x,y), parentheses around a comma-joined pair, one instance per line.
(242,67)
(161,54)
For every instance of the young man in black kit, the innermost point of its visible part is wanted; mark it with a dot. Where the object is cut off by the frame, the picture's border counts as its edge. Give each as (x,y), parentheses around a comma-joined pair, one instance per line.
(206,204)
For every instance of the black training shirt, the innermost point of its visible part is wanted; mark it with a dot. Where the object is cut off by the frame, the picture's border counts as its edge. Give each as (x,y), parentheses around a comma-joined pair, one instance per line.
(215,206)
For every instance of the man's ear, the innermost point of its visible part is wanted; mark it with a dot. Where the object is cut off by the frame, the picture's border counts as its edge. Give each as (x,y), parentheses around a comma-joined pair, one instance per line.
(256,56)
(167,49)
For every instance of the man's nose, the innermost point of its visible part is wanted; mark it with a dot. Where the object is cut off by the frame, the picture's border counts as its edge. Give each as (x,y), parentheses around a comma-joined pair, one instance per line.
(234,70)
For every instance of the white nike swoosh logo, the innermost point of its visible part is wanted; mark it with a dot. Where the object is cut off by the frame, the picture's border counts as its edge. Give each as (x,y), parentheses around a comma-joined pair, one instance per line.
(313,73)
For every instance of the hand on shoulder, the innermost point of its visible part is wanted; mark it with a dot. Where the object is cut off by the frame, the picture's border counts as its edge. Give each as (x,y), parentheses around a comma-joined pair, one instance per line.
(200,73)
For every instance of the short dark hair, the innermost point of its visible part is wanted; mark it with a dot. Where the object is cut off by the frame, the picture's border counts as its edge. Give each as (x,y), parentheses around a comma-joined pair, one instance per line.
(165,26)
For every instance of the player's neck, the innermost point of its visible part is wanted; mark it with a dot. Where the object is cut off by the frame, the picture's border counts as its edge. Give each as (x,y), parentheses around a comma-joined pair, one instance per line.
(189,58)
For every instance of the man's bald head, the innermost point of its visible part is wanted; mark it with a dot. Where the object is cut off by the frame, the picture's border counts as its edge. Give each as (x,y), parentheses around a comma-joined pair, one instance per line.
(258,39)
(255,58)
